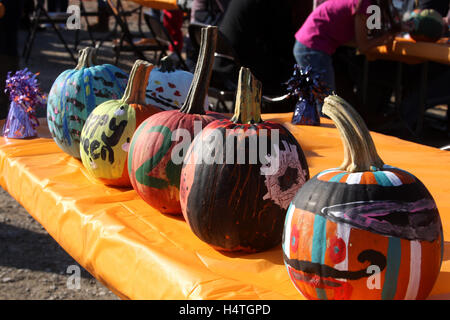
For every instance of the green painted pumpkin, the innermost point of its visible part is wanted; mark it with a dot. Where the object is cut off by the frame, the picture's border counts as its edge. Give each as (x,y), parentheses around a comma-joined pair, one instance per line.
(240,175)
(108,130)
(425,25)
(153,170)
(364,230)
(75,93)
(168,87)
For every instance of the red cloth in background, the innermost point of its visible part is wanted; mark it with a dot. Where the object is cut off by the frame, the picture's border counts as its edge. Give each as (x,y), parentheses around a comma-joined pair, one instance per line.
(173,20)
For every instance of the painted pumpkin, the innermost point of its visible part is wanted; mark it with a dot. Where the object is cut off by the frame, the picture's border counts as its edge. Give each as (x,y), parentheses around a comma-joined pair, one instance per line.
(75,93)
(365,230)
(108,130)
(154,171)
(425,25)
(168,87)
(240,175)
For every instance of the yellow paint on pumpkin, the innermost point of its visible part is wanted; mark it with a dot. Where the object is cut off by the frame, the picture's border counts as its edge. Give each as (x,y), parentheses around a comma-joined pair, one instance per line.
(99,167)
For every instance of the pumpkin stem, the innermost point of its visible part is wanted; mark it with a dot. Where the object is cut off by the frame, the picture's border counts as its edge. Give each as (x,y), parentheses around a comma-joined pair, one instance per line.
(166,65)
(200,83)
(248,98)
(87,57)
(137,83)
(360,153)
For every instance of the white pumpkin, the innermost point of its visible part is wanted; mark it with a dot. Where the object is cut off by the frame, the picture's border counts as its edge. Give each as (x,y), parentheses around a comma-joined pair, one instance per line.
(168,87)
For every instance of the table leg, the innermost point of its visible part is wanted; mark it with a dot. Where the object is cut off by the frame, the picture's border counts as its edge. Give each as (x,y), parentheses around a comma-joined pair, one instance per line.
(364,82)
(422,97)
(398,86)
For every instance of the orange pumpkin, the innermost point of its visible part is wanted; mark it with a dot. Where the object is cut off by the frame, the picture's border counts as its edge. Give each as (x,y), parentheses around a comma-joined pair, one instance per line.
(365,230)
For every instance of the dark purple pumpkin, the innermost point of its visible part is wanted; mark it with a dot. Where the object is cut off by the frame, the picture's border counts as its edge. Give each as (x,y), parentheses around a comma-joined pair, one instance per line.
(240,175)
(153,172)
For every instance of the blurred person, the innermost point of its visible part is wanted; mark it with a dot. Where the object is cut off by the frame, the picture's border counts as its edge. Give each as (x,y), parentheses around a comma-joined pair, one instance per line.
(173,21)
(102,24)
(9,57)
(335,23)
(208,12)
(57,5)
(261,33)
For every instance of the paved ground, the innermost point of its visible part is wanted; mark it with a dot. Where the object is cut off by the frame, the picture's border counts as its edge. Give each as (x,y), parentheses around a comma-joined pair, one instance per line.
(32,264)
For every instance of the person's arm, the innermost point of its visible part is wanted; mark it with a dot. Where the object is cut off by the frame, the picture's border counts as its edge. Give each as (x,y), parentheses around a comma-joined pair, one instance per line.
(362,41)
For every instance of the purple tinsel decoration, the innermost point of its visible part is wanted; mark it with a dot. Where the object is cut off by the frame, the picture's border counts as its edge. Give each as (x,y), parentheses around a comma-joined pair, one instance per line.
(25,97)
(310,90)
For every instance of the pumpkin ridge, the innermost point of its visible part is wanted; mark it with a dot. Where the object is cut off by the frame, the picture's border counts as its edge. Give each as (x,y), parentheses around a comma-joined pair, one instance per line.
(114,79)
(64,111)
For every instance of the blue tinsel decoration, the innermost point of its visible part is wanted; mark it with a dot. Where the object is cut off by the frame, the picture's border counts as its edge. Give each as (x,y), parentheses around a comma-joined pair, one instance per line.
(310,90)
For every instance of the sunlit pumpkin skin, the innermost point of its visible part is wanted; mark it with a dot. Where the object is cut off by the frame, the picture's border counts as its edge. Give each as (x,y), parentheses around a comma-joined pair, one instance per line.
(153,173)
(75,93)
(107,134)
(235,204)
(168,87)
(370,234)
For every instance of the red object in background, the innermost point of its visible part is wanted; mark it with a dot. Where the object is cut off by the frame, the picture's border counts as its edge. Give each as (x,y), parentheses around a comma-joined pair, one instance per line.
(172,21)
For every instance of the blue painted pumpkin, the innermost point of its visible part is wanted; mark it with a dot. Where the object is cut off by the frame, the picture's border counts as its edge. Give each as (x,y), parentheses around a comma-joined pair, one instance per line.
(75,93)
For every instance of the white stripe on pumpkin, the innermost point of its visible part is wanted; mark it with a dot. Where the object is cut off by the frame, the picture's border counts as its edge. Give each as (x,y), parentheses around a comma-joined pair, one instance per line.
(414,270)
(354,178)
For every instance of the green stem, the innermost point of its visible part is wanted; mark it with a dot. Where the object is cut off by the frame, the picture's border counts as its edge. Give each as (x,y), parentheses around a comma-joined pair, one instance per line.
(195,99)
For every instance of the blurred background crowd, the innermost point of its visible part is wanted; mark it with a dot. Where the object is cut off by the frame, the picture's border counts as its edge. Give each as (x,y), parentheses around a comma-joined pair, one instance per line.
(270,37)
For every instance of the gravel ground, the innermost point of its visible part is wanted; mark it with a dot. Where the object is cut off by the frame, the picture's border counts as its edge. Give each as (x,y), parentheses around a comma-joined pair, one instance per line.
(32,264)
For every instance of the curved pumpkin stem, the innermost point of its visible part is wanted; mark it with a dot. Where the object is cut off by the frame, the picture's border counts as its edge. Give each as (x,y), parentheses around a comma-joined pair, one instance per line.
(137,83)
(87,57)
(359,150)
(248,98)
(200,84)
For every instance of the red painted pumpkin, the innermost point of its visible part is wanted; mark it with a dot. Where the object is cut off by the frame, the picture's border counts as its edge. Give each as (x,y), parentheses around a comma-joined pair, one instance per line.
(153,172)
(364,230)
(240,175)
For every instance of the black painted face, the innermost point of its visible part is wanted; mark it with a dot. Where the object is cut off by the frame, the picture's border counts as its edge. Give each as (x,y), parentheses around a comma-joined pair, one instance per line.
(409,220)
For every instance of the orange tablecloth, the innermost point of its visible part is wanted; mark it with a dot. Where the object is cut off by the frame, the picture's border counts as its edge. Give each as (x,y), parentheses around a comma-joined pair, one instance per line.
(409,51)
(142,254)
(158,4)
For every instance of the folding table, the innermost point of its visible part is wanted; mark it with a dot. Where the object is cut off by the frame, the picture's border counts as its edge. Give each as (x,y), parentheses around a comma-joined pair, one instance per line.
(140,253)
